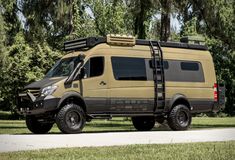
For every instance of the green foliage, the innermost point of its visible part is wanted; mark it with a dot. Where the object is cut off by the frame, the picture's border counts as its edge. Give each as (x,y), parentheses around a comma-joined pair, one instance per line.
(190,27)
(23,64)
(29,47)
(109,17)
(224,60)
(214,19)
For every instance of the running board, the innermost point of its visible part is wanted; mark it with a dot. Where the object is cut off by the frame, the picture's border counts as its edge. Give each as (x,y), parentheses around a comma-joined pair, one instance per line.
(109,116)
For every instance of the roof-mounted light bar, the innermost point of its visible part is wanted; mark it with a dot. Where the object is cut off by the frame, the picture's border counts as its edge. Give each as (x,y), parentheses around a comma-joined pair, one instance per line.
(83,43)
(122,40)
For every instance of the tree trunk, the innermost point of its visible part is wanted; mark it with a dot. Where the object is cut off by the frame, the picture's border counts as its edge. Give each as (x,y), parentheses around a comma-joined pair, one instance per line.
(139,21)
(165,20)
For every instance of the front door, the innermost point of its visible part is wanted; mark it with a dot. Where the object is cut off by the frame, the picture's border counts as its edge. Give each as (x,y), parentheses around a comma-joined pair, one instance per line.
(94,85)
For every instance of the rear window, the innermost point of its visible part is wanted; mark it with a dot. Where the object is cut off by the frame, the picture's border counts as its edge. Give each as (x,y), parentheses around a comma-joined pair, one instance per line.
(190,66)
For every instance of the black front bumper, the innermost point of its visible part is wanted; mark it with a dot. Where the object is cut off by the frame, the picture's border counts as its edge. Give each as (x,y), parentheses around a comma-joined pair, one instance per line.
(40,105)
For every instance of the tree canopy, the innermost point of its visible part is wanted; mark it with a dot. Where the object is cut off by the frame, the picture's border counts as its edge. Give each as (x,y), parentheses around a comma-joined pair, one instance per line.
(33,31)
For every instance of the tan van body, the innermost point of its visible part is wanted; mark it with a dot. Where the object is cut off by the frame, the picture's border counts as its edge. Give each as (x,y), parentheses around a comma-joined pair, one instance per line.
(105,96)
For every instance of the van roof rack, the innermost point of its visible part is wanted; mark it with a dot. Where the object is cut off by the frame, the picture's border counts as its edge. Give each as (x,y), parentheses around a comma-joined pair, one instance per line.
(90,42)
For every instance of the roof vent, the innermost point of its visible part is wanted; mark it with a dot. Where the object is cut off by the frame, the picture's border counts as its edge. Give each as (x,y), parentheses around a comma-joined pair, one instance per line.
(193,40)
(121,40)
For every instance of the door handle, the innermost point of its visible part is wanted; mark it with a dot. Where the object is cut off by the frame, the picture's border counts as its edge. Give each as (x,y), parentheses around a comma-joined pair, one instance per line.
(102,83)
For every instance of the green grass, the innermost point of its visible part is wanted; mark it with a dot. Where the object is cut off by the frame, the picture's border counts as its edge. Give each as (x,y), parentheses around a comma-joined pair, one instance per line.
(190,151)
(117,124)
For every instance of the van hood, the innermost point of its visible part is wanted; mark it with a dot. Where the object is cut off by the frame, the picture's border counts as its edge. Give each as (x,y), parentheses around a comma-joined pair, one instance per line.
(44,82)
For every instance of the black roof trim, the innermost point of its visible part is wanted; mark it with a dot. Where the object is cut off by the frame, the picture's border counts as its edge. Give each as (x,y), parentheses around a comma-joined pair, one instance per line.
(90,42)
(173,44)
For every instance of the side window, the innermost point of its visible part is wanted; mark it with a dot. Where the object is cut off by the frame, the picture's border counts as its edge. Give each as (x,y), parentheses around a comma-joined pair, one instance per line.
(125,68)
(184,71)
(180,71)
(189,66)
(94,67)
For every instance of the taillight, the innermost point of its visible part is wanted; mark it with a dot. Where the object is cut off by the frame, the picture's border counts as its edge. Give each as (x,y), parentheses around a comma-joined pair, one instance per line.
(215,92)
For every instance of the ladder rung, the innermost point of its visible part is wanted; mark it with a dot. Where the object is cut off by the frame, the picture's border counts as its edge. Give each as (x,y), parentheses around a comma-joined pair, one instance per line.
(160,90)
(158,75)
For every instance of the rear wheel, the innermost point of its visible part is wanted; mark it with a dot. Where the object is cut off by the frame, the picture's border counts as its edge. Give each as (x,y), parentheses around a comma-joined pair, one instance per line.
(37,127)
(179,118)
(143,123)
(71,119)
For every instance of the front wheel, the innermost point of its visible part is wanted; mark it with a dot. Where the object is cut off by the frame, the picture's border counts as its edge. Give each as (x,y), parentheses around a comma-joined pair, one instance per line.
(36,126)
(71,119)
(143,123)
(179,118)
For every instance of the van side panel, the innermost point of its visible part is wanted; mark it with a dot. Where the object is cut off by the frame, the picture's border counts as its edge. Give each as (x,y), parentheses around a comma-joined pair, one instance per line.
(138,96)
(199,94)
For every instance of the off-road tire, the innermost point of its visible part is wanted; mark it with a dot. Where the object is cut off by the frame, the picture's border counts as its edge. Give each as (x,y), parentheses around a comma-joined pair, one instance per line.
(37,127)
(145,123)
(179,118)
(71,119)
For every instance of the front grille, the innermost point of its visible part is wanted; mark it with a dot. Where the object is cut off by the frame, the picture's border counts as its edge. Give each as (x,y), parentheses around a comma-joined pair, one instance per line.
(34,91)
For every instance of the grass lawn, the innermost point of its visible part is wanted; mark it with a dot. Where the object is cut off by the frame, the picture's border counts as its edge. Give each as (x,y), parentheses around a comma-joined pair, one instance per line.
(117,124)
(190,151)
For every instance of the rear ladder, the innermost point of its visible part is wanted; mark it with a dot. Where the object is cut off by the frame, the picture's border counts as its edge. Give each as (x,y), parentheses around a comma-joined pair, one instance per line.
(158,75)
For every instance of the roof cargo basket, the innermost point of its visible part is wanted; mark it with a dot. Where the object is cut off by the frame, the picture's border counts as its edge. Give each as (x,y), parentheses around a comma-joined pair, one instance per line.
(83,43)
(122,40)
(193,40)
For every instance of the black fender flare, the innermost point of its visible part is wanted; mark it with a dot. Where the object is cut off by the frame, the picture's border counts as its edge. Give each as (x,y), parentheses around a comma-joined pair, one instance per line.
(178,97)
(69,94)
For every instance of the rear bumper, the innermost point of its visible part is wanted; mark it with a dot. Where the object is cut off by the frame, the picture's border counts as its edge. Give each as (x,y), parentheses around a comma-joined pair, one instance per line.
(40,105)
(218,107)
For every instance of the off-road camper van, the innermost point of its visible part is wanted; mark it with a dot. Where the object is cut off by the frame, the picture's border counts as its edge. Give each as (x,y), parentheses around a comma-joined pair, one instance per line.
(104,77)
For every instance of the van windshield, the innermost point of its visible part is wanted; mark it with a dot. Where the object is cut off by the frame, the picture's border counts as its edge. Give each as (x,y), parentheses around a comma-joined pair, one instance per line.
(63,67)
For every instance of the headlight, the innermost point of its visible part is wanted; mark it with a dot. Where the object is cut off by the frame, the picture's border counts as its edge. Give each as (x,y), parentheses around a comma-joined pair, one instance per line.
(48,90)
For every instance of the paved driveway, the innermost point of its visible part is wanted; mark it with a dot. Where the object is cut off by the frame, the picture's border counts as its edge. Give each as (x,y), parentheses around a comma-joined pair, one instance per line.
(10,143)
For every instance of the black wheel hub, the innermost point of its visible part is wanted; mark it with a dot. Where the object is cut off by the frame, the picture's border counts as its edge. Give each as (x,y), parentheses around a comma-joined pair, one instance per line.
(183,118)
(73,119)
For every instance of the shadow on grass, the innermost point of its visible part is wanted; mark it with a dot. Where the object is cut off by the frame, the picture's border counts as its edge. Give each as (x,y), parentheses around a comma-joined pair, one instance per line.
(90,132)
(106,128)
(108,125)
(12,127)
(117,127)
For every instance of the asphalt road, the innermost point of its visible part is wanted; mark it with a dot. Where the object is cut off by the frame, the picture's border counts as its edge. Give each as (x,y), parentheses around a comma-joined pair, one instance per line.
(9,143)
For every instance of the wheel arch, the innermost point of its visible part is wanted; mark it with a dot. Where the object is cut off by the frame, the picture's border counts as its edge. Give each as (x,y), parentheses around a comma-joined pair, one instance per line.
(74,97)
(179,99)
